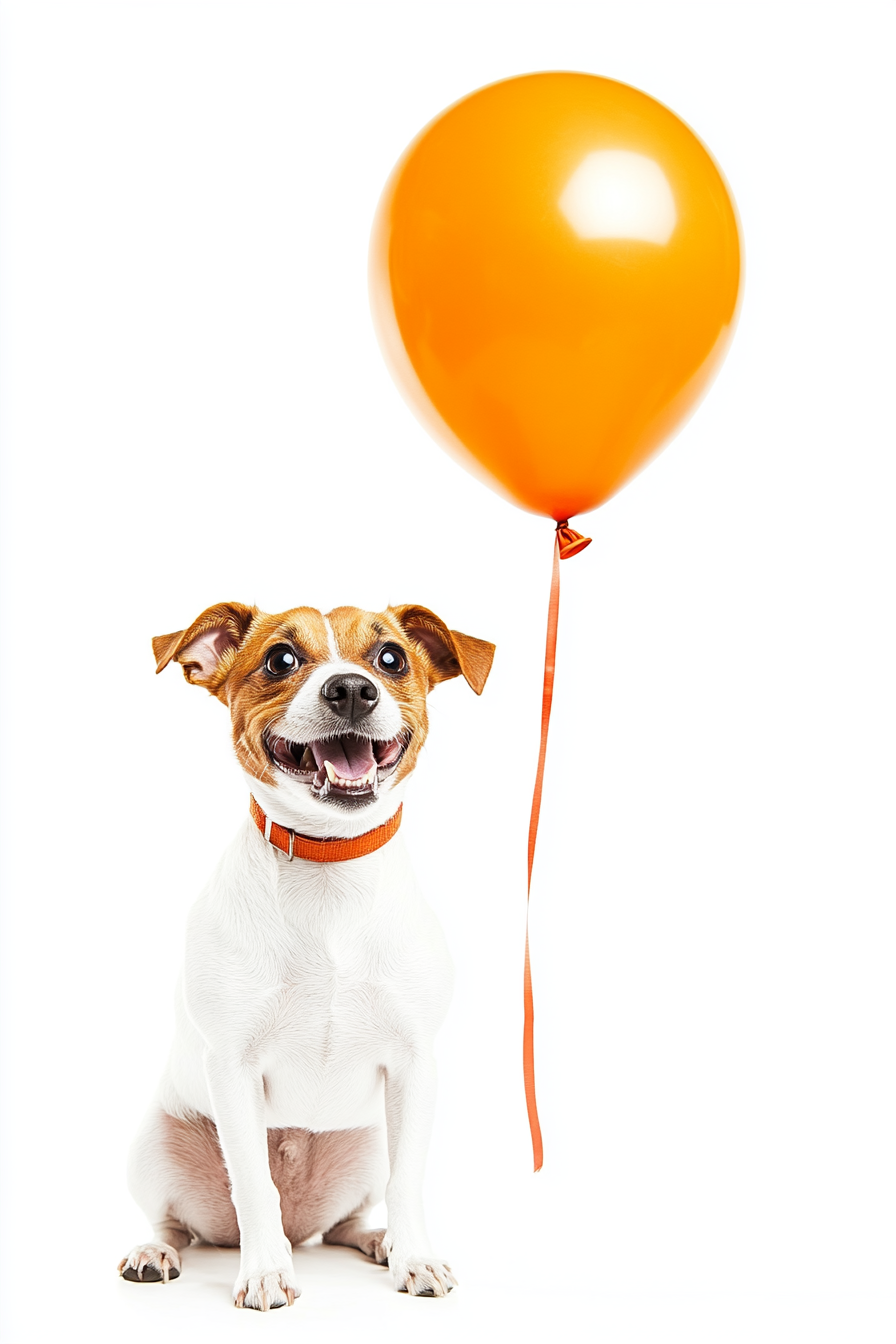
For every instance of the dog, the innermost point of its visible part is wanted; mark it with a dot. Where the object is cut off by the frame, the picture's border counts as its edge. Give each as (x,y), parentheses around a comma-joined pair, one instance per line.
(300,1086)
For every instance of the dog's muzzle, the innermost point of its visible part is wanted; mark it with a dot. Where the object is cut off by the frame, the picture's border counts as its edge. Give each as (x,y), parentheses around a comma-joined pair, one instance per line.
(349,766)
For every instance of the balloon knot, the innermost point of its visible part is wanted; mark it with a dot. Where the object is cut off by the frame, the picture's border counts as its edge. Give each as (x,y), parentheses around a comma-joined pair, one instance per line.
(571,542)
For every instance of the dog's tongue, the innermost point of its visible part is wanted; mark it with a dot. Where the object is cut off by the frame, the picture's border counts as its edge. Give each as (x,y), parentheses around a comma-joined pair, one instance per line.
(350,757)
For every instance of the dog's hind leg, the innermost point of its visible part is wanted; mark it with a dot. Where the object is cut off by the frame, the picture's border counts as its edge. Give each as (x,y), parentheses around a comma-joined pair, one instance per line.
(152,1181)
(176,1174)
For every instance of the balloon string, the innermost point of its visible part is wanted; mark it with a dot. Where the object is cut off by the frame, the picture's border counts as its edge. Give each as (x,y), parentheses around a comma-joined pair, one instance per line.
(567,543)
(528,1006)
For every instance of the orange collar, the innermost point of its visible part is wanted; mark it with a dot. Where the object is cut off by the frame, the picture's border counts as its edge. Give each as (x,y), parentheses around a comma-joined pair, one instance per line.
(296,846)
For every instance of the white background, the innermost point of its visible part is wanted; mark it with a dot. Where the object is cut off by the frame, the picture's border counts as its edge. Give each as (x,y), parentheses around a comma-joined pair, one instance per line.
(195,410)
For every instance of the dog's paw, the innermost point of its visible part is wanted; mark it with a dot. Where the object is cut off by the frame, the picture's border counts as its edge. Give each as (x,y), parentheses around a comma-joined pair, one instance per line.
(154,1262)
(422,1276)
(373,1243)
(265,1292)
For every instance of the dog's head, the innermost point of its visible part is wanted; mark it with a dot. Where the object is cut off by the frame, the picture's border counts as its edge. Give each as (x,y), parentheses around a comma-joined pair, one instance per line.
(328,712)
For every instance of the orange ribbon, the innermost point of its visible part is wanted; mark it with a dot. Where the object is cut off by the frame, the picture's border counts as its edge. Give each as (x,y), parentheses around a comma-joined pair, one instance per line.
(567,543)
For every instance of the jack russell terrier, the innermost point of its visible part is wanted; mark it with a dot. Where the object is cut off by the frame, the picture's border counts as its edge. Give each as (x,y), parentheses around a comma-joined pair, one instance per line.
(315,975)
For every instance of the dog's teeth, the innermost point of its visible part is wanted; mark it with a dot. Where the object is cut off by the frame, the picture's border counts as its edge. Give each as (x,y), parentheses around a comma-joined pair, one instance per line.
(331,773)
(370,777)
(307,762)
(324,789)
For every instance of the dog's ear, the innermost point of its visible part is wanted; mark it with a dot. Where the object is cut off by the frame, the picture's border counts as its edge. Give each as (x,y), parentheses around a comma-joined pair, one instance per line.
(203,648)
(450,653)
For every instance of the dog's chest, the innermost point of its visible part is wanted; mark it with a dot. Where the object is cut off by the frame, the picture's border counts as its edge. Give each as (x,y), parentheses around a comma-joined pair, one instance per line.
(333,974)
(327,977)
(352,958)
(361,979)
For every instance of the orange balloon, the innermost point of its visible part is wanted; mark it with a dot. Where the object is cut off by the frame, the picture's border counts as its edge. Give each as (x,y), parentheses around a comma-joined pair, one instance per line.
(555,275)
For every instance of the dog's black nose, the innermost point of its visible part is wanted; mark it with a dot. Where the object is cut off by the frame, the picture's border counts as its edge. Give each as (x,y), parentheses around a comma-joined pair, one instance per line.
(351,696)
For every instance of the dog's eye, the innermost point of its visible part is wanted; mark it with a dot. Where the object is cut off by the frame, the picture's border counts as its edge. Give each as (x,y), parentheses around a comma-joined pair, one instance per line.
(391,659)
(280,661)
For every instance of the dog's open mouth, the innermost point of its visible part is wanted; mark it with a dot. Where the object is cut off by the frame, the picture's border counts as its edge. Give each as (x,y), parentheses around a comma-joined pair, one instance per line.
(345,767)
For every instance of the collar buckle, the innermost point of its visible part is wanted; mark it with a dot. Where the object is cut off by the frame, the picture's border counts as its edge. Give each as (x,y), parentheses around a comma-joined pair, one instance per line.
(267,831)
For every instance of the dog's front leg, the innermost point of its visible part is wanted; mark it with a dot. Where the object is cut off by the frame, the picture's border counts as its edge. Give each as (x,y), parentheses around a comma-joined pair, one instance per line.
(410,1099)
(266,1277)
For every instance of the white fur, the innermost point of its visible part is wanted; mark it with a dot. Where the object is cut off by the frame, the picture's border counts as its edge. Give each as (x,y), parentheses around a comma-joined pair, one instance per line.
(310,997)
(331,640)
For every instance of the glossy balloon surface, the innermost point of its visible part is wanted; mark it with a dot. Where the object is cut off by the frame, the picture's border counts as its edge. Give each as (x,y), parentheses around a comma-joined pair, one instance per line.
(555,272)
